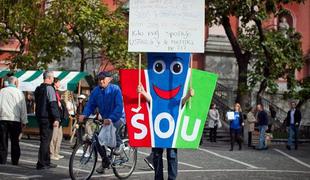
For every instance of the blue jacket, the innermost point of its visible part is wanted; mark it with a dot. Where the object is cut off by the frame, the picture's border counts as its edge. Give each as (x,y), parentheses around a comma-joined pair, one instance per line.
(109,102)
(237,122)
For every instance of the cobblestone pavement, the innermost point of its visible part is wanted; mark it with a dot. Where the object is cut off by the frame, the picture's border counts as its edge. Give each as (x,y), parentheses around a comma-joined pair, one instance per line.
(210,161)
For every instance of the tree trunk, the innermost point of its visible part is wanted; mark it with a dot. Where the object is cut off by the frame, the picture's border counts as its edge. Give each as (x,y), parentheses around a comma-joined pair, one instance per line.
(243,95)
(262,88)
(243,59)
(82,50)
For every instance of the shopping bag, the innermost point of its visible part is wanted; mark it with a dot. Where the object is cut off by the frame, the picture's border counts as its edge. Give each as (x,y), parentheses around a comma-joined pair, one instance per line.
(107,136)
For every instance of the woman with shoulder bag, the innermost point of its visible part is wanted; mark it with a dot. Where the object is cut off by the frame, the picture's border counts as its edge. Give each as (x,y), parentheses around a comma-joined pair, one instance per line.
(214,118)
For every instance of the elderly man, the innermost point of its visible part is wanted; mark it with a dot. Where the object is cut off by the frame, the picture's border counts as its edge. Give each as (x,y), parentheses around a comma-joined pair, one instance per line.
(13,117)
(108,99)
(48,116)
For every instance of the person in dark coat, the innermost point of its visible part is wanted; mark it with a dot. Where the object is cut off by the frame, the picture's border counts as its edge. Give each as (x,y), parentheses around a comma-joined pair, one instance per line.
(262,119)
(48,116)
(292,122)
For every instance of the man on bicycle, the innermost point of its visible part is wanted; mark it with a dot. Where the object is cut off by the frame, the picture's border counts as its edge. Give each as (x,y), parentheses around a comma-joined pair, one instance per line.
(108,99)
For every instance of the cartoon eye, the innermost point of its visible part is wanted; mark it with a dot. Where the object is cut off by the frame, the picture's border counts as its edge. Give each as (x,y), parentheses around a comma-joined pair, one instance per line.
(159,66)
(176,67)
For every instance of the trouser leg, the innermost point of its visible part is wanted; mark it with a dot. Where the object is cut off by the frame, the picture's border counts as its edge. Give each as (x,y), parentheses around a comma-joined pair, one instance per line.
(232,139)
(102,151)
(46,131)
(290,136)
(172,157)
(118,124)
(238,138)
(15,130)
(249,139)
(210,134)
(59,140)
(296,137)
(158,163)
(3,142)
(54,141)
(214,134)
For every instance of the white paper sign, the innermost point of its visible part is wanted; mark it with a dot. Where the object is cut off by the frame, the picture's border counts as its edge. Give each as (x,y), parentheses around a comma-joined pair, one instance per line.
(166,26)
(230,115)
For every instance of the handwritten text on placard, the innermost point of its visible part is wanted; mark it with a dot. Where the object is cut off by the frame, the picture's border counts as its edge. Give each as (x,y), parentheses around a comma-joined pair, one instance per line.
(166,26)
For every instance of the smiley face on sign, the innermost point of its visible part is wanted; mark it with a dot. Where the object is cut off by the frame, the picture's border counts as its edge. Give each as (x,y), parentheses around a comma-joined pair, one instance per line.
(163,121)
(167,74)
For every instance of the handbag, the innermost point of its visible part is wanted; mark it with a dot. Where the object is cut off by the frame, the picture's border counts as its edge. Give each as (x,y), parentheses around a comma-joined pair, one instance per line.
(107,136)
(219,124)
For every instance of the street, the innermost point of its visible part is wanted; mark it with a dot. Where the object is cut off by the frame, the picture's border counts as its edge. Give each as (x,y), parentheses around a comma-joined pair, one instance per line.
(210,161)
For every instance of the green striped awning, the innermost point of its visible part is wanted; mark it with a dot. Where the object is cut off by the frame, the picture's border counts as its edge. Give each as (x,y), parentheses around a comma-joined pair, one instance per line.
(3,73)
(29,80)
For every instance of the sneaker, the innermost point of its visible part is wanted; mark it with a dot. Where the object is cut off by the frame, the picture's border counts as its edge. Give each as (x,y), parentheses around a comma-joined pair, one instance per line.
(54,158)
(119,150)
(100,170)
(149,162)
(60,156)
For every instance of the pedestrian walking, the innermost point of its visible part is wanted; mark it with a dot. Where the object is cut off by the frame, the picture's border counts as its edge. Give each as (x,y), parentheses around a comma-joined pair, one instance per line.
(13,117)
(235,127)
(250,126)
(293,120)
(48,116)
(262,119)
(213,121)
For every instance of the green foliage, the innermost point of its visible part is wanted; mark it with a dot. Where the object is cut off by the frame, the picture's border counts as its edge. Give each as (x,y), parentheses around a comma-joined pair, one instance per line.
(37,34)
(273,55)
(45,34)
(94,30)
(286,56)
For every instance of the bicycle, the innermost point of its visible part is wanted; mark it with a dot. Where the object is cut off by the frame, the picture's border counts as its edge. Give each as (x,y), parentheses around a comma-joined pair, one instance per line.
(85,155)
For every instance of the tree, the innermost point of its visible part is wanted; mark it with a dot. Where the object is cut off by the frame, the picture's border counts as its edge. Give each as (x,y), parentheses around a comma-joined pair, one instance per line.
(96,31)
(38,36)
(264,49)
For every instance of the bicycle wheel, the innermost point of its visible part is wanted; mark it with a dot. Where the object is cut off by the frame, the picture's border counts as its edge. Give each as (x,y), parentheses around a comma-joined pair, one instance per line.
(124,164)
(82,161)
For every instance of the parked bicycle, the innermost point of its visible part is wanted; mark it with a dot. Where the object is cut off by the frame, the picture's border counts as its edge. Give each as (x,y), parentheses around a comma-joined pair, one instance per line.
(85,156)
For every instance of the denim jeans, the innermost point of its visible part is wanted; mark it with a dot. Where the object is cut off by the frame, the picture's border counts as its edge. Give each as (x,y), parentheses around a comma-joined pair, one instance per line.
(292,132)
(118,125)
(172,157)
(262,144)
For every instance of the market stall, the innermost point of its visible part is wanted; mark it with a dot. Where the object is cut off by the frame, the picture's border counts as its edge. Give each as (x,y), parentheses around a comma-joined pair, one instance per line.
(70,81)
(3,74)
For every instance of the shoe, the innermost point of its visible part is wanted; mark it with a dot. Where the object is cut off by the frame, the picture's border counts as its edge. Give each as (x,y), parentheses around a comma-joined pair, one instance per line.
(100,170)
(240,147)
(296,147)
(40,167)
(288,147)
(231,149)
(149,162)
(119,150)
(60,156)
(51,165)
(54,158)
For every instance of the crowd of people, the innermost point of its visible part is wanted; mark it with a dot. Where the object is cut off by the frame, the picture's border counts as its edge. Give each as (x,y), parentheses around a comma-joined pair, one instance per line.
(53,110)
(242,126)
